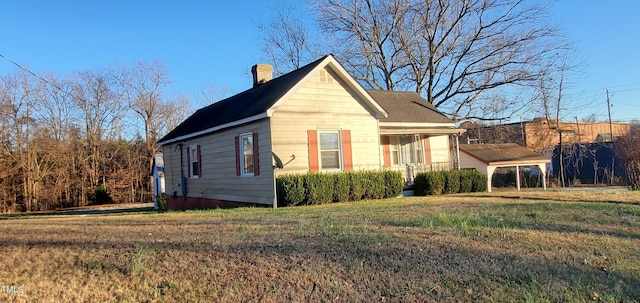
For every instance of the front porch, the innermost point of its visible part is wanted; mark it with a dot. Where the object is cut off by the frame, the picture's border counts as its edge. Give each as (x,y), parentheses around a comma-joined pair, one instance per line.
(412,154)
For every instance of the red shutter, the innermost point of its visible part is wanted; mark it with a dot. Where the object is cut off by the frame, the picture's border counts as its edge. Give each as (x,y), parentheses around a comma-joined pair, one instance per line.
(256,156)
(237,156)
(346,150)
(189,161)
(427,151)
(312,137)
(199,162)
(386,150)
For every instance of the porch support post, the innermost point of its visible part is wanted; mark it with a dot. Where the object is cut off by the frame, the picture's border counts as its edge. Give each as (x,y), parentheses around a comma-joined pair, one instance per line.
(457,152)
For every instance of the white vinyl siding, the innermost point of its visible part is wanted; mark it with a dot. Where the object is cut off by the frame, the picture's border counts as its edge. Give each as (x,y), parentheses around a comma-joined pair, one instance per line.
(330,150)
(218,155)
(328,105)
(440,149)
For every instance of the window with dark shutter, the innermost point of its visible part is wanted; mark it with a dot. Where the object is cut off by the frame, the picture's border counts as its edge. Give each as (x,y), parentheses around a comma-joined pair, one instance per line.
(247,158)
(193,158)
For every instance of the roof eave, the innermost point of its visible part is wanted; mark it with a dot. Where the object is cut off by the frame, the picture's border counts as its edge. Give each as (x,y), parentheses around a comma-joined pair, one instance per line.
(404,128)
(213,129)
(518,162)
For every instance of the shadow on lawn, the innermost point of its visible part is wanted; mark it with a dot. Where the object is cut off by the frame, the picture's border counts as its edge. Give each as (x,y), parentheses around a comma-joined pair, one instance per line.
(528,222)
(527,196)
(431,270)
(98,210)
(418,264)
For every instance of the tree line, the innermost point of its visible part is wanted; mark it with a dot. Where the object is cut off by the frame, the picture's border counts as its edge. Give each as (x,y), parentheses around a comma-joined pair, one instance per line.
(68,141)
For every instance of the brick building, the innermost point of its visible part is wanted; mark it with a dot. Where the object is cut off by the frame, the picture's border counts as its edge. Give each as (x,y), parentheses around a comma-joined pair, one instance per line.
(541,134)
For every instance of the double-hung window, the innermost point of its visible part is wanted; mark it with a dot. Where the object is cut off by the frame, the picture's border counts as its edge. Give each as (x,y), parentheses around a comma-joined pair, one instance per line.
(330,150)
(246,157)
(394,150)
(406,150)
(194,161)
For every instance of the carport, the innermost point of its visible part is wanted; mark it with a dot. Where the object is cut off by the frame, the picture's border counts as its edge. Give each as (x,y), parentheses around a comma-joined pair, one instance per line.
(487,157)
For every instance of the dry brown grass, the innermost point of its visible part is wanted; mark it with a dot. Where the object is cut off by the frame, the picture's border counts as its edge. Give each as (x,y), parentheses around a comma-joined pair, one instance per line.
(498,247)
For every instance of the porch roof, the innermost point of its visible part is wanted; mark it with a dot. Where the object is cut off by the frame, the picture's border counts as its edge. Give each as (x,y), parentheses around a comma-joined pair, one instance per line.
(409,113)
(421,130)
(408,107)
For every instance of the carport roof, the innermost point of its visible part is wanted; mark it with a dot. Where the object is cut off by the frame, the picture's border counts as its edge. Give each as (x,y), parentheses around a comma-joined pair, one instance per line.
(503,154)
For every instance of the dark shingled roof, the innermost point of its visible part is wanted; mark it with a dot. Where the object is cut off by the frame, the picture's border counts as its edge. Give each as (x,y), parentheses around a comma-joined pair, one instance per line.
(246,104)
(507,152)
(407,107)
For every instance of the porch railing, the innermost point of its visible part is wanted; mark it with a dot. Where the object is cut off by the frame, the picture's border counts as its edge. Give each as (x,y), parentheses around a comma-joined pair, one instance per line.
(411,170)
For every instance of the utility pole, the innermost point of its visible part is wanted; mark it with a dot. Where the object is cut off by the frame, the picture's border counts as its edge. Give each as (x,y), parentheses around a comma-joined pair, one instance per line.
(578,129)
(611,134)
(609,111)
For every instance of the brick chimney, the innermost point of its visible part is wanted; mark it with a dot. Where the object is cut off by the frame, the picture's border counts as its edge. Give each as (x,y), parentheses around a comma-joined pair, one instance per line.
(262,73)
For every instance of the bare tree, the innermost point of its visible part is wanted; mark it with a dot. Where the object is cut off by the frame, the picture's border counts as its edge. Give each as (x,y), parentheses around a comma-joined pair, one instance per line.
(460,55)
(99,98)
(626,149)
(65,137)
(28,154)
(286,39)
(144,83)
(213,94)
(15,108)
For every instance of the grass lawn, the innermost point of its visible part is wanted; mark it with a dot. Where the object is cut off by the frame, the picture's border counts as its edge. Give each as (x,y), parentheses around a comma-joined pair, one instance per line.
(507,246)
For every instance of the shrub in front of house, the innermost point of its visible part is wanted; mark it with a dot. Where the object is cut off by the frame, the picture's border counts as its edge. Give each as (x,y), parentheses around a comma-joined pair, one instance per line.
(374,186)
(466,181)
(479,181)
(393,183)
(320,188)
(449,182)
(162,202)
(290,189)
(356,186)
(341,187)
(429,183)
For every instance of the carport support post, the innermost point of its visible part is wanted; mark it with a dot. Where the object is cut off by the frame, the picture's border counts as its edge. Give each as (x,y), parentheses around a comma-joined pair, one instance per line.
(490,171)
(543,170)
(518,177)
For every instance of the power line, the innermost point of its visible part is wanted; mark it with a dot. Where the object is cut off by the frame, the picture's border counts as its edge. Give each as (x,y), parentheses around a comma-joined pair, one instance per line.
(626,90)
(39,77)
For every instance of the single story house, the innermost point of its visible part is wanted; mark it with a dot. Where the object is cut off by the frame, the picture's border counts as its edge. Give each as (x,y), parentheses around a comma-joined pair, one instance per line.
(316,118)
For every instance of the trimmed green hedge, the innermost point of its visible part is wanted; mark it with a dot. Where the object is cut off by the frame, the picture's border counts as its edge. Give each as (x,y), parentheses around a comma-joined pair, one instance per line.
(449,182)
(320,188)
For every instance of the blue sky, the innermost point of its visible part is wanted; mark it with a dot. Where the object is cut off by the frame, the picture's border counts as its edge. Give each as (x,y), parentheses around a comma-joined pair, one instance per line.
(206,43)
